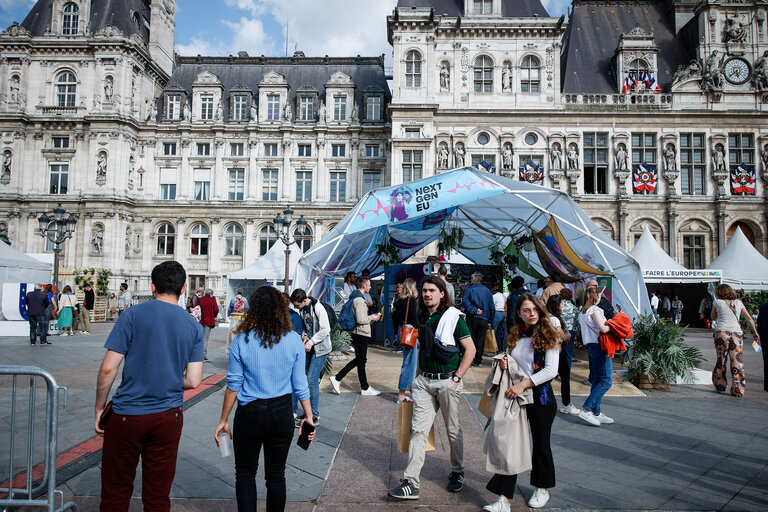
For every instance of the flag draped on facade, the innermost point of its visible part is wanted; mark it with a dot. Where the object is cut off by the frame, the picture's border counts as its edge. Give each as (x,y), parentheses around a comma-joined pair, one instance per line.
(485,166)
(743,179)
(645,178)
(532,173)
(644,80)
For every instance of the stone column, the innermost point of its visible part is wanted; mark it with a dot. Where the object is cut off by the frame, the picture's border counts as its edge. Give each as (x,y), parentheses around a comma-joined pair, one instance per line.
(322,173)
(623,214)
(285,194)
(252,171)
(184,188)
(722,215)
(353,177)
(672,215)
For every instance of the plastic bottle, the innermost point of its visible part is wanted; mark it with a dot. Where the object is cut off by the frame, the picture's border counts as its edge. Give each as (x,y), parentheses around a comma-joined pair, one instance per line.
(225,445)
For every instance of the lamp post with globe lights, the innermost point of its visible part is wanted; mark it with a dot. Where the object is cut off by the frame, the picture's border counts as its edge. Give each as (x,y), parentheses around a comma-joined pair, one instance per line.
(60,232)
(283,228)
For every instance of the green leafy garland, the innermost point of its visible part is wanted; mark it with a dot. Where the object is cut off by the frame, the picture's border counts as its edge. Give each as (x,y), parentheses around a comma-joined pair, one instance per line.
(388,253)
(449,240)
(85,276)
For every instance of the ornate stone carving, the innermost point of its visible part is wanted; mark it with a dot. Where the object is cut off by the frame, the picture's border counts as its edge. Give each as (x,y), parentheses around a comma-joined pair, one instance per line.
(760,76)
(573,156)
(621,158)
(556,157)
(691,71)
(506,77)
(445,76)
(97,237)
(507,153)
(5,174)
(101,168)
(16,30)
(109,30)
(442,155)
(719,169)
(712,79)
(458,154)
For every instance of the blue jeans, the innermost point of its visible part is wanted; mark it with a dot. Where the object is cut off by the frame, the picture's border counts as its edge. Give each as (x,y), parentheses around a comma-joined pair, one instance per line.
(408,370)
(499,328)
(602,376)
(314,366)
(38,326)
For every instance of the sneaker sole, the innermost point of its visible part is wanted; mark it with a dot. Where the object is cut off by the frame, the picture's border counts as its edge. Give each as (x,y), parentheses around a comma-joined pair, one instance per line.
(411,497)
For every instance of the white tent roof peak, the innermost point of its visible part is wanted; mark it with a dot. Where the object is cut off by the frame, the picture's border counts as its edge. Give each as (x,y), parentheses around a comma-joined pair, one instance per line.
(743,265)
(651,256)
(271,265)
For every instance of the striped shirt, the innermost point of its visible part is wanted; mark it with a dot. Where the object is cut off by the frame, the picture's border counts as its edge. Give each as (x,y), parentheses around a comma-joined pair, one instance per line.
(257,372)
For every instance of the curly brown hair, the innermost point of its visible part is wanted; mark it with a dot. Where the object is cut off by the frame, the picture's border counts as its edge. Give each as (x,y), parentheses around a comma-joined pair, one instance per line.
(267,315)
(544,336)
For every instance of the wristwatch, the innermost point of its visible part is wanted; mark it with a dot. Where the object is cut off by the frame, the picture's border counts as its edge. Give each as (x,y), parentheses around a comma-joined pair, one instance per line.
(456,378)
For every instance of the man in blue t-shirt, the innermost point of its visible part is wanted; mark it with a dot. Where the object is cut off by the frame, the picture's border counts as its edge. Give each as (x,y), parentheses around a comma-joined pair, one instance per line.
(162,346)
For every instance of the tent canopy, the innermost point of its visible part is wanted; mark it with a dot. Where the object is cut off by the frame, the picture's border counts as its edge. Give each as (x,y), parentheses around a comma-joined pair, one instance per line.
(659,267)
(491,211)
(742,265)
(271,266)
(17,267)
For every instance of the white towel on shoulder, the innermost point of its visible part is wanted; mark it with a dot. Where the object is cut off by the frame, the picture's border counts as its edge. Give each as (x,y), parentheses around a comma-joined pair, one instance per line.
(447,325)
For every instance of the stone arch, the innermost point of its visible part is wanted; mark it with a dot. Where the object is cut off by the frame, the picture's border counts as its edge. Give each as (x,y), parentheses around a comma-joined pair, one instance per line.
(606,226)
(656,228)
(750,229)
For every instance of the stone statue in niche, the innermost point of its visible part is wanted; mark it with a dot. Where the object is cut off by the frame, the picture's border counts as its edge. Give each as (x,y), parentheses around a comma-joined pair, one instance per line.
(760,78)
(254,111)
(355,113)
(621,158)
(506,77)
(669,158)
(151,110)
(735,31)
(288,111)
(573,157)
(556,157)
(442,156)
(101,165)
(718,158)
(13,97)
(764,157)
(109,89)
(5,175)
(220,111)
(97,238)
(131,169)
(506,156)
(712,79)
(445,77)
(321,112)
(458,154)
(186,111)
(127,240)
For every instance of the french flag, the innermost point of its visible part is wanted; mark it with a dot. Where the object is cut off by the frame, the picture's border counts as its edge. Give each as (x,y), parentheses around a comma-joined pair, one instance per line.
(627,86)
(651,83)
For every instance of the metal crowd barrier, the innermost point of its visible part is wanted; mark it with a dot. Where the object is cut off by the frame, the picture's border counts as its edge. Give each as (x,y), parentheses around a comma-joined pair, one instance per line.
(15,494)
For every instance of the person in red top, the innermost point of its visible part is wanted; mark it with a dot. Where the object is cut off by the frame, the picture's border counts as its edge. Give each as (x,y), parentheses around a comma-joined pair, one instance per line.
(209,309)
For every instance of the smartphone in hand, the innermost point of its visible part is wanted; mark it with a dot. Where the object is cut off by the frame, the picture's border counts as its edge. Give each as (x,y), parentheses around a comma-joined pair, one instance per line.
(303,441)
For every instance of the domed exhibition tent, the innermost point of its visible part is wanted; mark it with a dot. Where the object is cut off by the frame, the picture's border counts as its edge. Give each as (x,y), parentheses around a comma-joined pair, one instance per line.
(743,266)
(491,211)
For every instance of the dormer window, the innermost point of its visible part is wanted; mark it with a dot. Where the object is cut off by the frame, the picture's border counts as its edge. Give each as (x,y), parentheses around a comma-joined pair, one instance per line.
(240,107)
(306,108)
(273,107)
(173,107)
(482,7)
(206,107)
(71,19)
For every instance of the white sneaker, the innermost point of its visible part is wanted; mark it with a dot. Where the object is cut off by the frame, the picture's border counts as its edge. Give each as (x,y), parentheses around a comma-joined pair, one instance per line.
(569,409)
(370,391)
(336,385)
(589,417)
(539,499)
(602,418)
(501,505)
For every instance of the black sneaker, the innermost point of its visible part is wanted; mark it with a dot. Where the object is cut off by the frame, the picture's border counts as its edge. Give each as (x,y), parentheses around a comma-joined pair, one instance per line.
(455,481)
(46,343)
(316,420)
(405,491)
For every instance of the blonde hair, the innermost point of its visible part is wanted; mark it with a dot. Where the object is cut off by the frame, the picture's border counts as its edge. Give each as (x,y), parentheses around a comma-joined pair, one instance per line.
(591,297)
(408,289)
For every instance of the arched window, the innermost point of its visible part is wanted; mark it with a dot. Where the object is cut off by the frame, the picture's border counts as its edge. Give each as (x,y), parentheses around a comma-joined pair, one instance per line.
(66,89)
(529,74)
(267,238)
(303,241)
(483,74)
(166,240)
(413,69)
(199,240)
(50,235)
(71,19)
(637,66)
(233,238)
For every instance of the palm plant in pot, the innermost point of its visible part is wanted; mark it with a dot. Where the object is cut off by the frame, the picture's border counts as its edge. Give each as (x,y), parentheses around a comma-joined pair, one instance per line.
(658,354)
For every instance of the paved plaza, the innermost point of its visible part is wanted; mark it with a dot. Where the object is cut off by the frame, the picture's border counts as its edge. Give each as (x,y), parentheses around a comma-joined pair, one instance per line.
(688,448)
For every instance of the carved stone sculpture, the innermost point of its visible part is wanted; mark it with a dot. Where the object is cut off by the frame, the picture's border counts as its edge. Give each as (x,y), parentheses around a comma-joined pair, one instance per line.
(355,117)
(13,97)
(506,156)
(764,158)
(186,111)
(321,112)
(254,111)
(127,240)
(5,175)
(669,158)
(109,89)
(621,158)
(573,157)
(97,237)
(151,110)
(712,79)
(556,157)
(506,77)
(220,111)
(718,159)
(101,166)
(735,31)
(458,154)
(442,156)
(287,111)
(445,77)
(692,70)
(760,78)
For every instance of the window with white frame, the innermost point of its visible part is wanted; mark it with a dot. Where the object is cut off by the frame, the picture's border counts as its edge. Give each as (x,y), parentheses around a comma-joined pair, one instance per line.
(240,108)
(236,184)
(303,185)
(305,149)
(169,149)
(338,186)
(168,184)
(233,240)
(483,70)
(303,240)
(372,151)
(530,72)
(166,239)
(70,20)
(412,165)
(173,107)
(273,107)
(595,163)
(66,89)
(340,107)
(413,69)
(373,108)
(338,150)
(306,108)
(482,7)
(237,149)
(269,185)
(59,179)
(693,251)
(693,160)
(206,107)
(199,238)
(267,238)
(270,149)
(60,142)
(202,184)
(203,149)
(371,181)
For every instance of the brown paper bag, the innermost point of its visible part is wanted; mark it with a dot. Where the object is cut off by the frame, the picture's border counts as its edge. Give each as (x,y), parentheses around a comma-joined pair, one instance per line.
(490,342)
(485,405)
(404,421)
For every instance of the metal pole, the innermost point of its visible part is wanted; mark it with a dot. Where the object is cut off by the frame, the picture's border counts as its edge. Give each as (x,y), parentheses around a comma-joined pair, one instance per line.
(56,251)
(287,264)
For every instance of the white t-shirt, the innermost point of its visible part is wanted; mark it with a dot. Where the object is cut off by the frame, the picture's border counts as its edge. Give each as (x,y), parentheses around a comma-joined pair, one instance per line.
(727,319)
(498,301)
(590,332)
(523,356)
(555,322)
(655,302)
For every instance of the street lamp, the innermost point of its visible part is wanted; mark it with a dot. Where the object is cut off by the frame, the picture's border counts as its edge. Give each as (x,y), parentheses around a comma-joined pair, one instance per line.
(283,229)
(63,229)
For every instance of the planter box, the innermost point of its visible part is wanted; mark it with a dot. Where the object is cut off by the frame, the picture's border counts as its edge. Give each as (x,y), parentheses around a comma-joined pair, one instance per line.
(643,382)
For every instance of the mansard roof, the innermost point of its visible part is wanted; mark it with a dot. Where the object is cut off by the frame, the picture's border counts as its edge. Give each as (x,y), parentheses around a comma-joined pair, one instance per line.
(509,8)
(236,72)
(118,13)
(593,34)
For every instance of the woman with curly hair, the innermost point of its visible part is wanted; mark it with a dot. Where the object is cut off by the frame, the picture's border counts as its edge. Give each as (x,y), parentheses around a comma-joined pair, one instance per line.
(534,345)
(592,322)
(266,365)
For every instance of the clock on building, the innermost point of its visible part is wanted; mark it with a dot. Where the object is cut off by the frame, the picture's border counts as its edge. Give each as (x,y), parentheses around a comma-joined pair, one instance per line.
(737,70)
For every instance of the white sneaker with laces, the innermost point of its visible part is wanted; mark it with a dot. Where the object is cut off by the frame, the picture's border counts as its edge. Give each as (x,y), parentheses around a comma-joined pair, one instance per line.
(539,499)
(602,418)
(336,385)
(370,391)
(501,505)
(589,417)
(569,409)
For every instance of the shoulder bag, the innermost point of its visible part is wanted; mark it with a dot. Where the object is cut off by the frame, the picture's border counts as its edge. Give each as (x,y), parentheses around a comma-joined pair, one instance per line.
(408,335)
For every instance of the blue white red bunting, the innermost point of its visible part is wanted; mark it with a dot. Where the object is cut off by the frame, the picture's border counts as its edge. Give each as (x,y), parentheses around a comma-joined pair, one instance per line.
(743,179)
(531,173)
(644,178)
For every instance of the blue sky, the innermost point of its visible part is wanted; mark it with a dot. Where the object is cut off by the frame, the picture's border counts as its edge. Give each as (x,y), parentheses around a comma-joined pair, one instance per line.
(327,27)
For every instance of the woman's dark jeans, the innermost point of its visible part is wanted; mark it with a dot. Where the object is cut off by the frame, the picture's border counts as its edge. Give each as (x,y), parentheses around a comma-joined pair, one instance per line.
(564,369)
(267,423)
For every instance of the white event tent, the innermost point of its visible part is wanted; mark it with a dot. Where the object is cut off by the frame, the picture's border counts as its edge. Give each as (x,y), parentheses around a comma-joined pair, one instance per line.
(490,210)
(18,273)
(743,265)
(659,267)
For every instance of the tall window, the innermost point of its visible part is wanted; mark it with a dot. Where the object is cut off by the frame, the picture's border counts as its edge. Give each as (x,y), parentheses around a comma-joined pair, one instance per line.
(340,107)
(236,184)
(643,148)
(373,108)
(303,240)
(236,149)
(482,7)
(203,149)
(71,19)
(596,163)
(338,186)
(173,107)
(267,238)
(413,69)
(199,238)
(487,158)
(59,178)
(270,149)
(338,150)
(169,148)
(66,89)
(483,74)
(529,74)
(692,163)
(371,181)
(50,236)
(693,251)
(306,109)
(206,107)
(273,107)
(167,183)
(537,159)
(240,108)
(636,67)
(412,165)
(305,149)
(304,185)
(166,239)
(233,240)
(741,148)
(269,185)
(372,150)
(202,184)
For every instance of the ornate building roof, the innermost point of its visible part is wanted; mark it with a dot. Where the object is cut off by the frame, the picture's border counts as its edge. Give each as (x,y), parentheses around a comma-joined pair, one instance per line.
(130,16)
(509,8)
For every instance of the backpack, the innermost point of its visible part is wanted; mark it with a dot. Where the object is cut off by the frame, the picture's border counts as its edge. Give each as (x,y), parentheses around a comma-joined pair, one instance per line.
(332,320)
(239,306)
(346,319)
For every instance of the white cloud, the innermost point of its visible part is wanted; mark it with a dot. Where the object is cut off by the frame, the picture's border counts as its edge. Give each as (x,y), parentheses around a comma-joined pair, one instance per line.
(248,34)
(199,46)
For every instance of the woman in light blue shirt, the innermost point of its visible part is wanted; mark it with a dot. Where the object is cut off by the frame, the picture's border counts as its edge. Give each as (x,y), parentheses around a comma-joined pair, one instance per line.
(266,365)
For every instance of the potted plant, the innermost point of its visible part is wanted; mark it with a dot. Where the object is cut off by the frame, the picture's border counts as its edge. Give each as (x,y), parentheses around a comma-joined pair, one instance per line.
(504,259)
(449,240)
(658,353)
(388,253)
(340,342)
